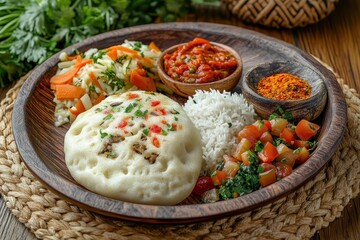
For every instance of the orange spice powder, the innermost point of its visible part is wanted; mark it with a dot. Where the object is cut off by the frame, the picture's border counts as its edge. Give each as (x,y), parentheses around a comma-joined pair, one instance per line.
(283,86)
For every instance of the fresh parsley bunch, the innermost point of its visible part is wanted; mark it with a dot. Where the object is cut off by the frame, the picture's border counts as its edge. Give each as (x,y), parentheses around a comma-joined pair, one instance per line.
(33,30)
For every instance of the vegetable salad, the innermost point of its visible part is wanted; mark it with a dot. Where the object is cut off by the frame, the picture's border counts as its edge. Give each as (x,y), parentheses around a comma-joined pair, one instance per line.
(266,151)
(84,80)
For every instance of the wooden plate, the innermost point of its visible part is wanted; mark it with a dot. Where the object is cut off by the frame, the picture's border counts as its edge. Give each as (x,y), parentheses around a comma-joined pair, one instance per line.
(40,143)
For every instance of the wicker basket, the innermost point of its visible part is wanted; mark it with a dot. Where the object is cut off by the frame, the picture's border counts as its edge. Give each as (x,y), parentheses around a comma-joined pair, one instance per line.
(281,13)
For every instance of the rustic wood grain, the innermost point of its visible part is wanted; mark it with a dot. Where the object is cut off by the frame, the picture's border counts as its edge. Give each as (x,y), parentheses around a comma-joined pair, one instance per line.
(334,40)
(33,123)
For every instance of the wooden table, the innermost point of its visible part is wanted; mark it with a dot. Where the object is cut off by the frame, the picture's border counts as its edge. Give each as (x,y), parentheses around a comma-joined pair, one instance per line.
(334,40)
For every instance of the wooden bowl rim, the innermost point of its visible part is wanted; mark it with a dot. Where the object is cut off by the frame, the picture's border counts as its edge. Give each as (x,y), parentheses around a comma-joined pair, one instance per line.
(234,76)
(249,88)
(180,213)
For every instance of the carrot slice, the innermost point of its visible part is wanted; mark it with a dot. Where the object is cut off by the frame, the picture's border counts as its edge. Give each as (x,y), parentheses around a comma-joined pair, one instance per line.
(147,61)
(67,77)
(99,99)
(71,57)
(113,54)
(79,108)
(153,47)
(68,92)
(64,78)
(94,80)
(83,63)
(123,49)
(139,79)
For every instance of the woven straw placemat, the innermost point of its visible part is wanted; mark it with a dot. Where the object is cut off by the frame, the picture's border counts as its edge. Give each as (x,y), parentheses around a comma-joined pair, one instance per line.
(296,216)
(281,13)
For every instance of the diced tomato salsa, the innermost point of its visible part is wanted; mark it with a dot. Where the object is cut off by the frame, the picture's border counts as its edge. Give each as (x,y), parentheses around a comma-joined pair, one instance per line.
(266,151)
(199,61)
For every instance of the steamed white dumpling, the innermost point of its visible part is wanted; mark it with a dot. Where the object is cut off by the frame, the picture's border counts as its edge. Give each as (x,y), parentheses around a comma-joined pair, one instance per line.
(138,147)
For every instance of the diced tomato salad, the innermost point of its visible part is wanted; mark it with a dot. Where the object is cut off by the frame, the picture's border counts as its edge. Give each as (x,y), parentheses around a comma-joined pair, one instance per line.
(266,151)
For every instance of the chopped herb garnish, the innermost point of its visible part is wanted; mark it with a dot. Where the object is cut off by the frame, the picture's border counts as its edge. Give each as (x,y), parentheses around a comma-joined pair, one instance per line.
(107,117)
(229,124)
(146,131)
(273,116)
(176,118)
(245,181)
(121,59)
(112,79)
(220,166)
(103,134)
(277,141)
(173,111)
(259,146)
(92,87)
(137,46)
(261,169)
(283,114)
(312,145)
(297,150)
(252,157)
(112,154)
(96,56)
(130,107)
(261,123)
(140,113)
(163,132)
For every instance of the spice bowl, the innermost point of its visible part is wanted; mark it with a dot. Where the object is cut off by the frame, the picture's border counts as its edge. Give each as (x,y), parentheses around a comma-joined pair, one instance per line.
(185,89)
(309,108)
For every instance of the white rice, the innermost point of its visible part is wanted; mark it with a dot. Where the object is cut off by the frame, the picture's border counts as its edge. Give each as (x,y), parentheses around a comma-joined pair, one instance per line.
(218,116)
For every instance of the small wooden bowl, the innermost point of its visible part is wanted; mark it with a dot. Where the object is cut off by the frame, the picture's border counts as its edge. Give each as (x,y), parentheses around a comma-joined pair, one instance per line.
(188,89)
(309,108)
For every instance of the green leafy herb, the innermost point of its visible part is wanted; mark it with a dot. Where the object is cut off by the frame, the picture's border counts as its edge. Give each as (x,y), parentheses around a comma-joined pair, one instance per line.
(98,55)
(137,46)
(121,59)
(92,87)
(146,131)
(277,141)
(103,134)
(163,132)
(33,30)
(312,145)
(130,107)
(140,113)
(112,79)
(297,150)
(170,128)
(259,146)
(107,117)
(281,114)
(220,166)
(245,181)
(112,154)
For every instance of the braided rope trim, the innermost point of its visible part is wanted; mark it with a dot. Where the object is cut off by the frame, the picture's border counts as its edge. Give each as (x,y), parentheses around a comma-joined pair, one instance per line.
(296,216)
(281,13)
